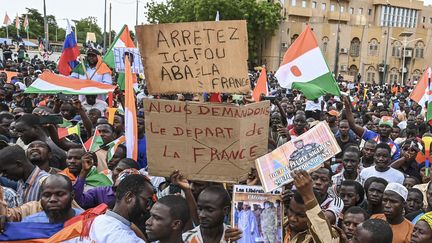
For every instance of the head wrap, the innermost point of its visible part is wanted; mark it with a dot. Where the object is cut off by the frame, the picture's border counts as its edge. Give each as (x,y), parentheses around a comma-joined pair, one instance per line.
(398,188)
(386,120)
(427,217)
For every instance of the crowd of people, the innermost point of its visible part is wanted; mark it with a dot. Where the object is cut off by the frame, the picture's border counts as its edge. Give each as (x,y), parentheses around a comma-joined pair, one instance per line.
(377,190)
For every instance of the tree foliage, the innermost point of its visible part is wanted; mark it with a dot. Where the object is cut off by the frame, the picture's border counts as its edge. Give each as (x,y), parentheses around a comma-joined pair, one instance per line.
(263,17)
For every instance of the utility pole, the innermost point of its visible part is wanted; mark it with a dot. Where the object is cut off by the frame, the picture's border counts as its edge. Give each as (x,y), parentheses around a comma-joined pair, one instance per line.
(136,14)
(109,36)
(336,64)
(104,37)
(46,27)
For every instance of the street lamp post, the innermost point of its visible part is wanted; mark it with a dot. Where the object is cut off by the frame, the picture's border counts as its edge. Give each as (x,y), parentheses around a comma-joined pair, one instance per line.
(405,42)
(336,65)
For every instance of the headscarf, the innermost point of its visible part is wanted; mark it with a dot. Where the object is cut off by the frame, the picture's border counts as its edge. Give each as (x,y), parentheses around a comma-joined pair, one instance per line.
(427,217)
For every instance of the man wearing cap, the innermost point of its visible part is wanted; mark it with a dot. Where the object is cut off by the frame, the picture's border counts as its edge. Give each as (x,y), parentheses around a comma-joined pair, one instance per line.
(394,200)
(95,69)
(332,120)
(384,130)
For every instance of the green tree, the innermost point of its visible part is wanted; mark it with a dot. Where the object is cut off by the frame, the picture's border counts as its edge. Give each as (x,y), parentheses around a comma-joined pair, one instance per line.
(263,17)
(88,24)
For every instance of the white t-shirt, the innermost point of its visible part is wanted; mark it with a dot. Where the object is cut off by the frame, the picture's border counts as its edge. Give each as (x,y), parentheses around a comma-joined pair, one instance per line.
(391,175)
(312,106)
(106,228)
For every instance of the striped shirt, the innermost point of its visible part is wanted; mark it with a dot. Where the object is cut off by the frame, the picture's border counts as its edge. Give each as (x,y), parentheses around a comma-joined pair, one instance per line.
(194,235)
(29,190)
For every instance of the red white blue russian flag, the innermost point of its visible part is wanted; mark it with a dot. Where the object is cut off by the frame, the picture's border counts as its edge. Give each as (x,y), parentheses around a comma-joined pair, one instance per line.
(68,59)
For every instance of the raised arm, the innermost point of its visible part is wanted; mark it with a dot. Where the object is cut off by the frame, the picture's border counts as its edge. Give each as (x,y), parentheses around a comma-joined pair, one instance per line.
(319,225)
(85,119)
(180,181)
(358,130)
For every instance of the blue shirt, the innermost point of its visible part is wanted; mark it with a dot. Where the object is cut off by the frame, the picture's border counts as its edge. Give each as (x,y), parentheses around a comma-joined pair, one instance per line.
(371,135)
(41,217)
(142,153)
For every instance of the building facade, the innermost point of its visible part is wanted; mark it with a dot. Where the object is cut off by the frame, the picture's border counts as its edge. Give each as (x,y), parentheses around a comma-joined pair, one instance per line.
(382,40)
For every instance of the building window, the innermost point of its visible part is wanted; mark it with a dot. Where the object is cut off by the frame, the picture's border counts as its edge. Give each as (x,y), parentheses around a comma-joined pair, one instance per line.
(353,70)
(304,4)
(399,17)
(416,75)
(430,20)
(397,49)
(369,12)
(424,19)
(360,11)
(355,47)
(325,41)
(351,11)
(293,38)
(419,50)
(332,8)
(373,47)
(394,75)
(370,74)
(314,4)
(293,2)
(342,9)
(323,6)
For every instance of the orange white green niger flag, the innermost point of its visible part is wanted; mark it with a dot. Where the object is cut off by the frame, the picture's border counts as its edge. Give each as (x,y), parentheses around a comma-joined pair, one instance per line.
(304,68)
(51,83)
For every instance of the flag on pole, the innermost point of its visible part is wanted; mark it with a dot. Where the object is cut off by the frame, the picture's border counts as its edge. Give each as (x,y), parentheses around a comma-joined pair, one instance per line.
(17,22)
(68,59)
(131,131)
(217,16)
(429,106)
(94,143)
(420,93)
(64,132)
(50,83)
(261,86)
(112,146)
(304,68)
(26,23)
(123,39)
(7,21)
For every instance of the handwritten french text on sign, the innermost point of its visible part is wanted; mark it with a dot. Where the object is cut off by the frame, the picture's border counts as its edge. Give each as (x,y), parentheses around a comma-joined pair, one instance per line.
(307,152)
(210,142)
(195,57)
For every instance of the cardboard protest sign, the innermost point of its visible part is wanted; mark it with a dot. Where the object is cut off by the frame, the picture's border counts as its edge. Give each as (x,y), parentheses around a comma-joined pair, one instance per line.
(205,141)
(195,57)
(307,152)
(134,57)
(247,200)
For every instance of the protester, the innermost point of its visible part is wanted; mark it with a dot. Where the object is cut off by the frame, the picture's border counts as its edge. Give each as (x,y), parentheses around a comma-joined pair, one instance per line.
(352,218)
(422,232)
(56,201)
(168,218)
(382,167)
(394,200)
(374,231)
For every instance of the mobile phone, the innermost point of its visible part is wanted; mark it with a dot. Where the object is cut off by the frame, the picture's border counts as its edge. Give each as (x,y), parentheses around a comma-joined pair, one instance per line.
(51,119)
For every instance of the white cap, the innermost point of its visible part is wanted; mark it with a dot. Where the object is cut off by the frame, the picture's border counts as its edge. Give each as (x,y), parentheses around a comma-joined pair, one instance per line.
(398,188)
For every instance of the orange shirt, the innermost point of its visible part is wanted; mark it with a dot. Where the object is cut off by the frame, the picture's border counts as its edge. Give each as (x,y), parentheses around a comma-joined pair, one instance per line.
(401,232)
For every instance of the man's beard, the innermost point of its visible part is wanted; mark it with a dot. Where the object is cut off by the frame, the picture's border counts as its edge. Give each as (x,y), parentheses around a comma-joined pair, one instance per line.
(138,216)
(56,215)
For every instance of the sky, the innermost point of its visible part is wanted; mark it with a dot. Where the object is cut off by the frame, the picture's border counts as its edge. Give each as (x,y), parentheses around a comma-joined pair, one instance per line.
(123,11)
